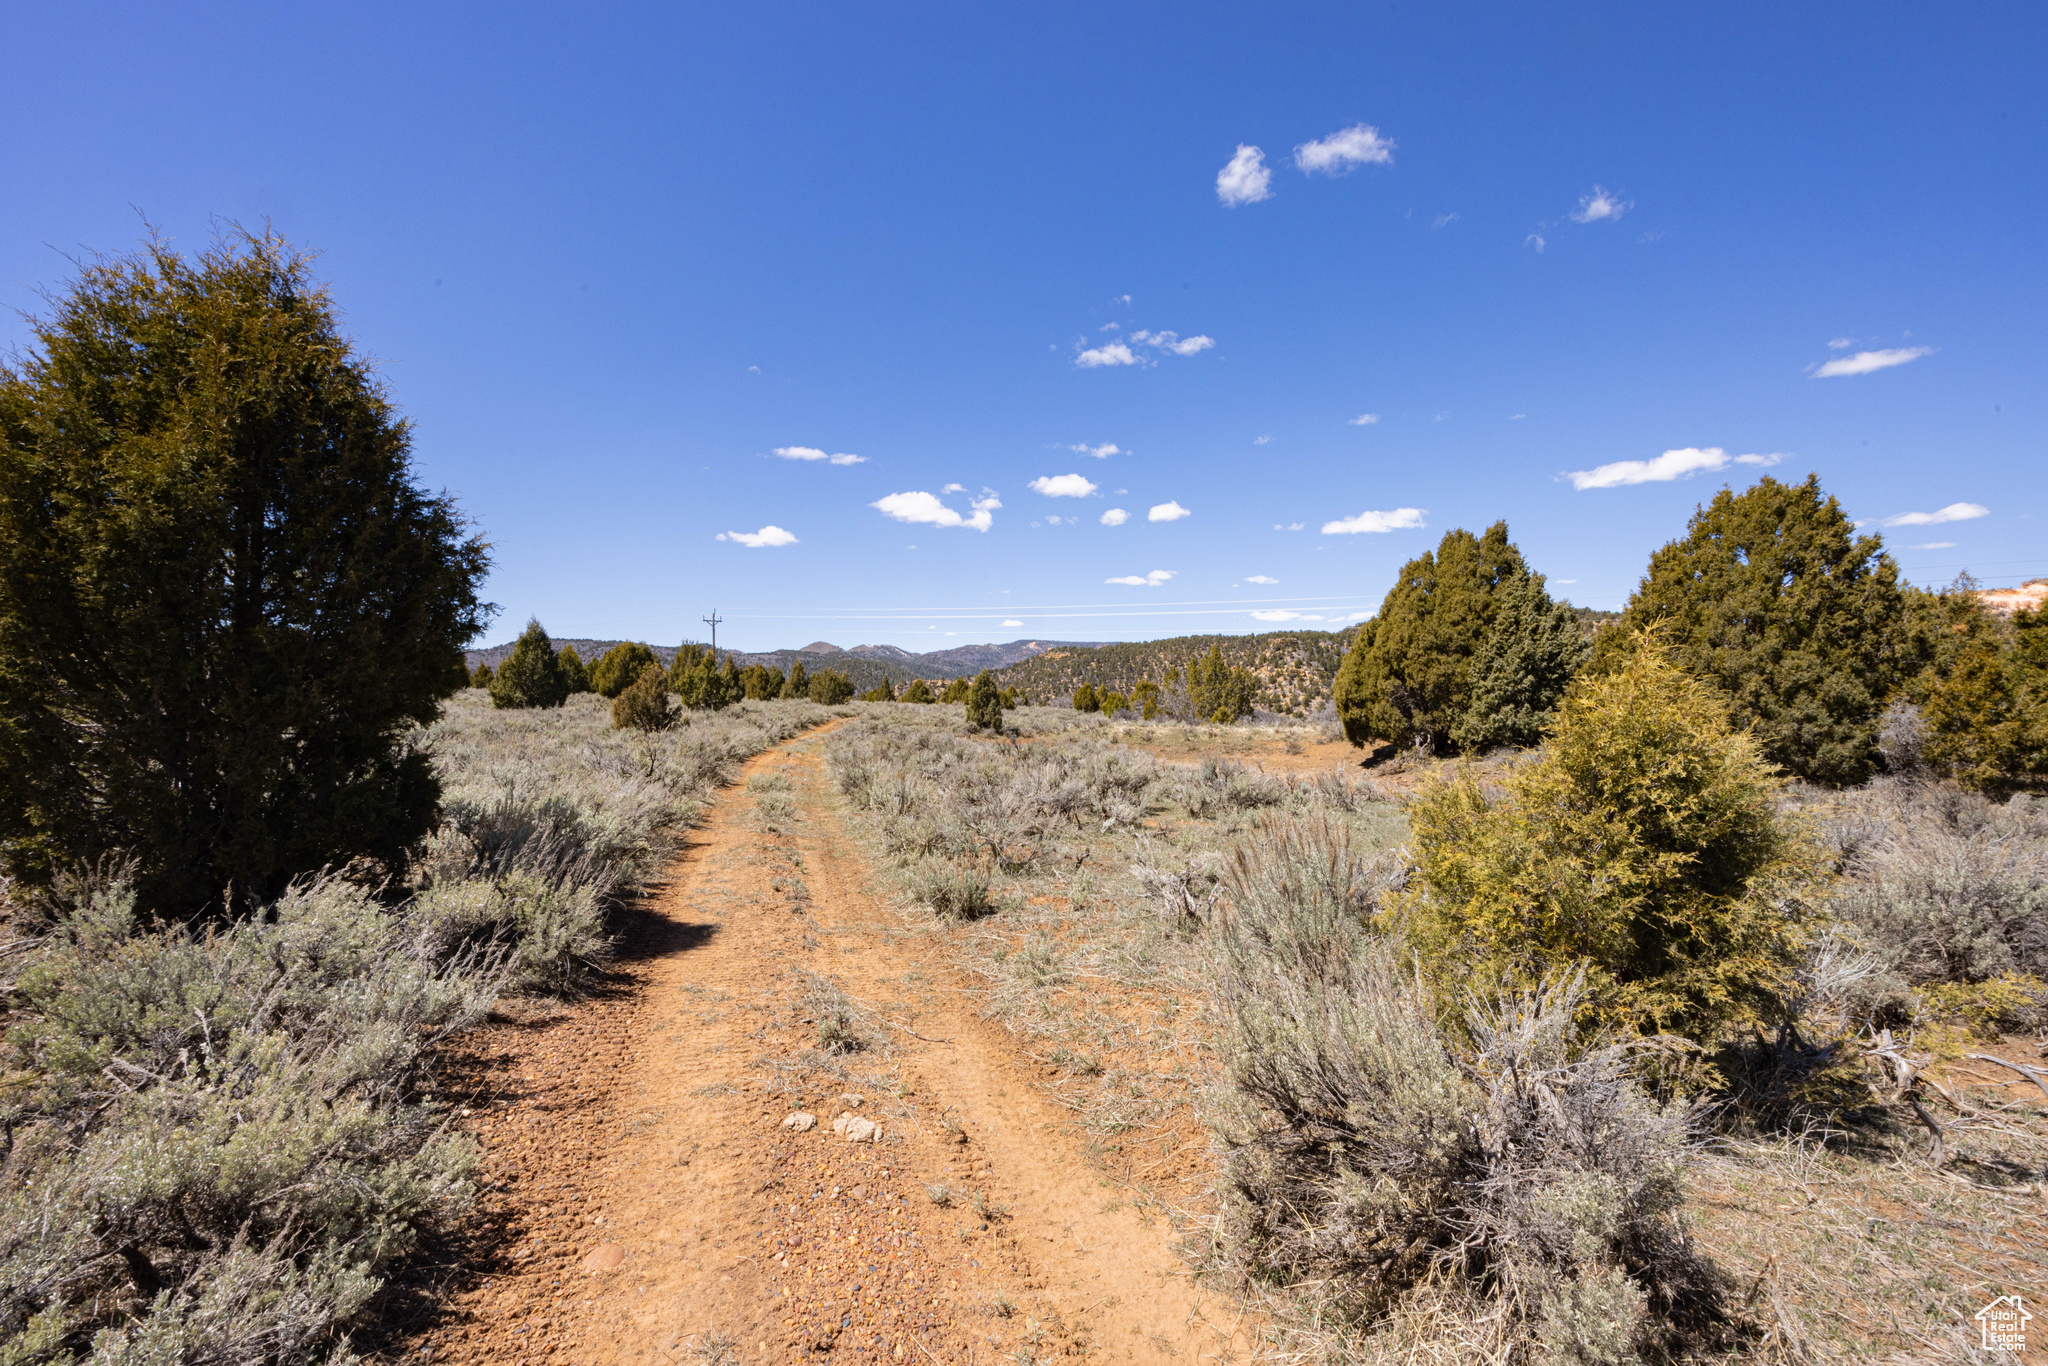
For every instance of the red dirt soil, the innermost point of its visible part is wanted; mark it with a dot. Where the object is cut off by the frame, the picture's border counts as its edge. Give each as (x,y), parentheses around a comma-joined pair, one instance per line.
(645,1203)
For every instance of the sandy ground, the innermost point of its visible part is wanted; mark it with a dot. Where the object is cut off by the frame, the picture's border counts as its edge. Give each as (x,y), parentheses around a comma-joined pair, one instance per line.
(646,1202)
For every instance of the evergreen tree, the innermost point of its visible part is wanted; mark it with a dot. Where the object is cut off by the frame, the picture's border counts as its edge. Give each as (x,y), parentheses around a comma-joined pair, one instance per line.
(956,691)
(919,691)
(531,675)
(1644,844)
(620,667)
(482,677)
(1110,703)
(225,603)
(1522,668)
(1987,720)
(1220,692)
(1146,698)
(1085,698)
(1773,596)
(1407,676)
(798,684)
(573,670)
(731,687)
(881,692)
(984,703)
(829,687)
(1013,698)
(645,704)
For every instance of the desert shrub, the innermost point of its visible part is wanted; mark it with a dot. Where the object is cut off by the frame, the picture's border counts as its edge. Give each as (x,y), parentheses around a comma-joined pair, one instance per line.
(1510,1170)
(1943,888)
(1521,669)
(618,668)
(1086,699)
(1407,675)
(216,1142)
(984,703)
(830,688)
(482,677)
(225,601)
(955,891)
(919,691)
(1773,596)
(531,675)
(645,705)
(573,670)
(1645,843)
(545,933)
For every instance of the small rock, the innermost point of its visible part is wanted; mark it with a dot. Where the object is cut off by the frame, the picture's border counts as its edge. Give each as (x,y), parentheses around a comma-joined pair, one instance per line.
(603,1257)
(860,1130)
(852,1102)
(801,1122)
(839,1124)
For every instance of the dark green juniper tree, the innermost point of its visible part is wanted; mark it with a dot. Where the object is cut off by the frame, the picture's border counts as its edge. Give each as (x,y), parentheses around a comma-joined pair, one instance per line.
(532,675)
(572,669)
(1407,676)
(984,703)
(225,603)
(1521,669)
(1773,595)
(620,667)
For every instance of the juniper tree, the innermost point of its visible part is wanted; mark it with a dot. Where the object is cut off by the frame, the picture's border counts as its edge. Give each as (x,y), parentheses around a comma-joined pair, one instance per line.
(1085,698)
(1522,667)
(1110,703)
(621,667)
(644,705)
(984,703)
(573,670)
(1987,720)
(830,687)
(482,677)
(531,675)
(1145,696)
(919,691)
(1407,676)
(225,601)
(798,685)
(956,691)
(1773,596)
(1219,691)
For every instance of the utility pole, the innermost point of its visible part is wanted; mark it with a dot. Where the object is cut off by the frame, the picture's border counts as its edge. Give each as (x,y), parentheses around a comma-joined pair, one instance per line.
(713,621)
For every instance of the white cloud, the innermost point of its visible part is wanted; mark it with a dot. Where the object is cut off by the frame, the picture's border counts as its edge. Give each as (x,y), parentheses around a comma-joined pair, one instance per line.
(1054,521)
(1358,145)
(1444,220)
(1863,362)
(1261,578)
(1167,512)
(1516,417)
(755,540)
(753,369)
(1291,526)
(1535,239)
(1366,420)
(926,508)
(1121,299)
(1933,545)
(1245,179)
(1116,353)
(1063,486)
(813,453)
(1013,623)
(1281,614)
(1102,452)
(1841,343)
(1115,517)
(954,488)
(1601,206)
(1954,512)
(1678,464)
(1151,580)
(1359,616)
(1368,522)
(1260,440)
(1110,327)
(1174,342)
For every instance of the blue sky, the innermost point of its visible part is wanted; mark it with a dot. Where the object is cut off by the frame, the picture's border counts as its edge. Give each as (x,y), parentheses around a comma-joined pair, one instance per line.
(613,258)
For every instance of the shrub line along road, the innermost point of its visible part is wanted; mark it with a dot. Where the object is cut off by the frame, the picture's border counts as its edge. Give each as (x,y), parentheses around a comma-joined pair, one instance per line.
(647,1205)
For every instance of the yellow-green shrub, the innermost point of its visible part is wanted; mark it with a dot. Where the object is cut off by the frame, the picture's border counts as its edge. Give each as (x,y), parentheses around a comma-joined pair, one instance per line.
(1643,842)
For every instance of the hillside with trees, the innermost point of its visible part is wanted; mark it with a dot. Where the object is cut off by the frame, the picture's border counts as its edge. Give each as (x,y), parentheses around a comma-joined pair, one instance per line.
(1295,668)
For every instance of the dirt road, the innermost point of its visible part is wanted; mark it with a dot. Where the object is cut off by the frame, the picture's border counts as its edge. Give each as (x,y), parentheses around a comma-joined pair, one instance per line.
(650,1203)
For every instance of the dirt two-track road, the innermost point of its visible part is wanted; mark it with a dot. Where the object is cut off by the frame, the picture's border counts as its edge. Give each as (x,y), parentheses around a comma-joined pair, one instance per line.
(647,1203)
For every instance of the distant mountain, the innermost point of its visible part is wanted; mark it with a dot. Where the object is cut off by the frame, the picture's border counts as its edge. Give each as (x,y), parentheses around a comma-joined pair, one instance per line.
(866,665)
